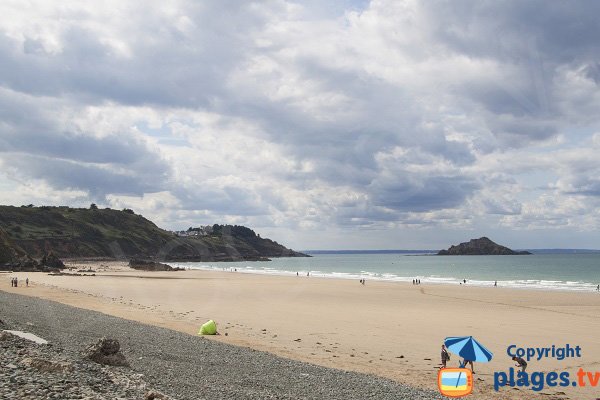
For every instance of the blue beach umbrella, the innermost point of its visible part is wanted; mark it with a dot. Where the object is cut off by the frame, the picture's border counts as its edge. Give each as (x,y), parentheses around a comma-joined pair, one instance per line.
(469,349)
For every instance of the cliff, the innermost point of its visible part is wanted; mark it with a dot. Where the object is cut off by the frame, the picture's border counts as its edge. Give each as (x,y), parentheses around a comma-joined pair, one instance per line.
(9,252)
(85,233)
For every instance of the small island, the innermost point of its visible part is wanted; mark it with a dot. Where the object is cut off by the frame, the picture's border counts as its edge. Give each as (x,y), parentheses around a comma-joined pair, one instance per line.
(480,247)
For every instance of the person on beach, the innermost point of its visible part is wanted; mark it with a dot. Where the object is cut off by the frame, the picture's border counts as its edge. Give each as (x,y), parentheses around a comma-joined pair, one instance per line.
(495,283)
(598,288)
(27,282)
(465,281)
(467,362)
(16,282)
(413,281)
(520,363)
(445,356)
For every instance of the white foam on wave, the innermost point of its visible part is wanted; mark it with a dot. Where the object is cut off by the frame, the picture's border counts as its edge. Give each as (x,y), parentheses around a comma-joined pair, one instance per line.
(538,284)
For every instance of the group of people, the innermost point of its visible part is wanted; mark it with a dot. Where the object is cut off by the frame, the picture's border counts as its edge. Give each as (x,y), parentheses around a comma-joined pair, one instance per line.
(14,282)
(416,281)
(446,357)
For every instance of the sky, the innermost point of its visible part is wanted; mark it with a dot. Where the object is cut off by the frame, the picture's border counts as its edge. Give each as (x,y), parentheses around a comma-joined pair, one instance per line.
(393,124)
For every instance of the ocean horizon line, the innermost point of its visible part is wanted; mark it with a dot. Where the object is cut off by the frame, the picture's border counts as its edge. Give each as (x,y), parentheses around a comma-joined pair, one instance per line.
(432,251)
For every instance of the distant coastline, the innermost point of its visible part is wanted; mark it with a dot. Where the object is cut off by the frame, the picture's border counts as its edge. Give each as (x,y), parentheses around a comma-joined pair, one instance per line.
(427,252)
(369,251)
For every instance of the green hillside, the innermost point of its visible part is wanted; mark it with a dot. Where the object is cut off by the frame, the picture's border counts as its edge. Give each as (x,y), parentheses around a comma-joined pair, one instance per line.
(81,232)
(9,252)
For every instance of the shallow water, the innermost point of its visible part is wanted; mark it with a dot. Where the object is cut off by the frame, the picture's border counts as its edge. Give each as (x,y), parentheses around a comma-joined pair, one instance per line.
(578,272)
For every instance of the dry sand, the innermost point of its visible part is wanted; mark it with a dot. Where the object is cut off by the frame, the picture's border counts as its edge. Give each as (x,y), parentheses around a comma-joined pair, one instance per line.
(393,330)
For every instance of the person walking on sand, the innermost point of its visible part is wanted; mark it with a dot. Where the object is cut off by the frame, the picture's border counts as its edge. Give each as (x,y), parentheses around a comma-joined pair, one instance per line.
(467,362)
(445,356)
(495,283)
(27,282)
(520,363)
(598,288)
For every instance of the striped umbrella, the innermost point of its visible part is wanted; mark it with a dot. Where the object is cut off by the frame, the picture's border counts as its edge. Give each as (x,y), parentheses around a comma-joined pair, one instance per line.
(468,348)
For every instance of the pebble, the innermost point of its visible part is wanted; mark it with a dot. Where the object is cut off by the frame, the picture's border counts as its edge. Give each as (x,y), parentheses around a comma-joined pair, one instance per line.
(178,365)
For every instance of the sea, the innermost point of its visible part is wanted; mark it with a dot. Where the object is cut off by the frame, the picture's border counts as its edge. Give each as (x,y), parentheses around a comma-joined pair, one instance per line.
(571,271)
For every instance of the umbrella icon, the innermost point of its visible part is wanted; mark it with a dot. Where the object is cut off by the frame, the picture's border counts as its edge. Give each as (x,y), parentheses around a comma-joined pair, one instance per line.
(469,349)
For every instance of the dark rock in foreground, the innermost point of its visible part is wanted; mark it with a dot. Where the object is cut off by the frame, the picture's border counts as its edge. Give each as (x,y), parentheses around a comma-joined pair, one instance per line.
(480,247)
(41,372)
(106,352)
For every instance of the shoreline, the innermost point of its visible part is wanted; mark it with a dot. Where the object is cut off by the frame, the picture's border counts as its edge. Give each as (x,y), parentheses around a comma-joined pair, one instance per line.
(505,284)
(388,329)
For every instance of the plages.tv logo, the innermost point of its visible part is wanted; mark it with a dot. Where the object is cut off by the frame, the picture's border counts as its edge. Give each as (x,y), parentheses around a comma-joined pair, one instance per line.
(455,382)
(458,382)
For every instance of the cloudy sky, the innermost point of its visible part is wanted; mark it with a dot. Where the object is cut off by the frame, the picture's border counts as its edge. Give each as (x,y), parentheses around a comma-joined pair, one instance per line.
(342,124)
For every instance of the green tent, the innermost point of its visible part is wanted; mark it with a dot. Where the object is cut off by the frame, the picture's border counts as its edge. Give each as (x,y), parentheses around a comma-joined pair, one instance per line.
(209,328)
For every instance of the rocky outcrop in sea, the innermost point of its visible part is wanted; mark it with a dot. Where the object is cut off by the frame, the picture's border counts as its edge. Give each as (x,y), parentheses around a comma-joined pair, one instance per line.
(480,247)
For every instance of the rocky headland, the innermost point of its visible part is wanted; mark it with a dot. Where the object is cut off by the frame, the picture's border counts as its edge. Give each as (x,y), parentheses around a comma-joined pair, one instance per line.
(85,233)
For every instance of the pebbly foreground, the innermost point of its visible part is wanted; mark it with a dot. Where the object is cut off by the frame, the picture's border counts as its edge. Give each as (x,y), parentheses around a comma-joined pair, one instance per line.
(178,365)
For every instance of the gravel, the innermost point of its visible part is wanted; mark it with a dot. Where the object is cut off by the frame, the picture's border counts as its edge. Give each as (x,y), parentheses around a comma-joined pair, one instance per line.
(178,365)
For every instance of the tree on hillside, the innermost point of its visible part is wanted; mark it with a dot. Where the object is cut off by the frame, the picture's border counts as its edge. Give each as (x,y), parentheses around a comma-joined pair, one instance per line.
(93,206)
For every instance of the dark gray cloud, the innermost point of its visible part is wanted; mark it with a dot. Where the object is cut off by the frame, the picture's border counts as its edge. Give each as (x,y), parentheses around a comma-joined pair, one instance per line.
(98,181)
(418,193)
(592,71)
(161,64)
(559,32)
(33,145)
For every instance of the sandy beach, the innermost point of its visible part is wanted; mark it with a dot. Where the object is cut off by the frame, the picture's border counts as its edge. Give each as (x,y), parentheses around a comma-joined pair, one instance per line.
(393,330)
